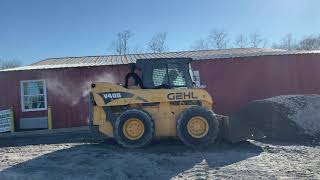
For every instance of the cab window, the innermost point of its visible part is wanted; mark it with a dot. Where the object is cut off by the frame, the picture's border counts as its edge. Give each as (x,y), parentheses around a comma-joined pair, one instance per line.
(159,75)
(176,75)
(168,74)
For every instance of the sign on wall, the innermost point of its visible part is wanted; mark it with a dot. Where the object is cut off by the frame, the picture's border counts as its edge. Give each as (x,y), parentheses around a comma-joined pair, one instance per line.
(5,118)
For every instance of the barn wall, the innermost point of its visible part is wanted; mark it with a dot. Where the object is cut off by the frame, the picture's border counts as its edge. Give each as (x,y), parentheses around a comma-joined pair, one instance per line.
(232,82)
(235,82)
(66,92)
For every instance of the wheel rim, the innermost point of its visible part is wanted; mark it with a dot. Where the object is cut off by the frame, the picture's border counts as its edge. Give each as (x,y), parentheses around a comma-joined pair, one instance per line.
(133,128)
(198,127)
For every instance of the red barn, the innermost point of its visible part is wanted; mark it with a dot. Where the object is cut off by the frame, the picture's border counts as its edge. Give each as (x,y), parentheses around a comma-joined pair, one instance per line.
(234,77)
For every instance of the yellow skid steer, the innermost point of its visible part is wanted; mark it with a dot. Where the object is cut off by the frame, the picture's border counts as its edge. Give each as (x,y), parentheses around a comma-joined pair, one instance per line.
(163,101)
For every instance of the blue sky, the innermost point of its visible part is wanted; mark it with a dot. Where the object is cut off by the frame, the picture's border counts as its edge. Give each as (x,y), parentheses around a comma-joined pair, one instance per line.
(31,30)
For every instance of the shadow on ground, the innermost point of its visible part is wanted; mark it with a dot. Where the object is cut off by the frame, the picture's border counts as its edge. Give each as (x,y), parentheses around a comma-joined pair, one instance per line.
(79,137)
(106,160)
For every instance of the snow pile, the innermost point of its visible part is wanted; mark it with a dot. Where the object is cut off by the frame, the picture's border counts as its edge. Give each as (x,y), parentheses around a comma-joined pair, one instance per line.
(288,118)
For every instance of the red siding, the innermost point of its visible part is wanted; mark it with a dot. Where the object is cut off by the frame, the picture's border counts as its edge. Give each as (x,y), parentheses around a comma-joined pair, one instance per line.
(232,83)
(235,82)
(65,92)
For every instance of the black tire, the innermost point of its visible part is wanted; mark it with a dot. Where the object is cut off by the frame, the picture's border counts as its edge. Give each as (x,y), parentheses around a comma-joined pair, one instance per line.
(147,136)
(182,129)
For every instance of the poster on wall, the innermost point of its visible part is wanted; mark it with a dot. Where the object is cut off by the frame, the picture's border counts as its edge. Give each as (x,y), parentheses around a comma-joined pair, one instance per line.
(5,117)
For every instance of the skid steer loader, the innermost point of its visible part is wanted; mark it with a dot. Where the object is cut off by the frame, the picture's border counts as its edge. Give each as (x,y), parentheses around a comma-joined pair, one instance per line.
(164,102)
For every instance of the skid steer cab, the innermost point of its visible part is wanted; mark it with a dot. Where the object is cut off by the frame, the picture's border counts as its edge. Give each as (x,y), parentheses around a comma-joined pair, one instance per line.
(162,101)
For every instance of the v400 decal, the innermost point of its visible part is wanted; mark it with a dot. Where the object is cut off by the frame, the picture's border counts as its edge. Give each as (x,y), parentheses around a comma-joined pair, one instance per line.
(112,95)
(109,96)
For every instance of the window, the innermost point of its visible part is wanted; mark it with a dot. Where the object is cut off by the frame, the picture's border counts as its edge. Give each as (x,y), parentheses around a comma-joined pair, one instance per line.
(33,95)
(176,75)
(171,75)
(159,75)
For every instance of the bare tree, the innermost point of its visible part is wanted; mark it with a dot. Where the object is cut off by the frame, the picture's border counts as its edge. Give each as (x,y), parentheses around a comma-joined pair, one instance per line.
(257,41)
(200,44)
(241,41)
(218,39)
(158,43)
(121,44)
(311,42)
(287,42)
(7,64)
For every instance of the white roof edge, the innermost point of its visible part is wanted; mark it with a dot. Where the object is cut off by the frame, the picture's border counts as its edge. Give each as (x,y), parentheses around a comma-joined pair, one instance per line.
(53,66)
(274,53)
(217,56)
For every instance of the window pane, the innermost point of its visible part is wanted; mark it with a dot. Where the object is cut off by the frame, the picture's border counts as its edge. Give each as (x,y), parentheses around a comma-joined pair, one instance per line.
(33,88)
(41,105)
(27,102)
(40,87)
(33,95)
(176,75)
(25,89)
(159,75)
(34,102)
(41,97)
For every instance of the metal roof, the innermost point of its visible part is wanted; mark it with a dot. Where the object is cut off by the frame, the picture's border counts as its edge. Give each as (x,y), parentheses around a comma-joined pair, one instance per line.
(88,61)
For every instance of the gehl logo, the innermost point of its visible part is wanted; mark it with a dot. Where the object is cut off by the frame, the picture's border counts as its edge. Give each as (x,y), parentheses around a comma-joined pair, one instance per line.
(181,96)
(112,95)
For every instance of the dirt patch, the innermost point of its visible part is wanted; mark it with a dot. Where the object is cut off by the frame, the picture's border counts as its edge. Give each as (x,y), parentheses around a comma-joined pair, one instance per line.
(166,159)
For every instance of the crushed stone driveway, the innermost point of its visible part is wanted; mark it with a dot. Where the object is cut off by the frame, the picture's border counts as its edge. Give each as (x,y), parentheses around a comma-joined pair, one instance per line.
(83,157)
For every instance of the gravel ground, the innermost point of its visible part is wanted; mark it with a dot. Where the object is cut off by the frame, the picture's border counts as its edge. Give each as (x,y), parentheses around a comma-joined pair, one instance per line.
(80,157)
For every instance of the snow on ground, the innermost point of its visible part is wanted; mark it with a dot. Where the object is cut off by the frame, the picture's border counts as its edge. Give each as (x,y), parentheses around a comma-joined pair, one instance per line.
(82,158)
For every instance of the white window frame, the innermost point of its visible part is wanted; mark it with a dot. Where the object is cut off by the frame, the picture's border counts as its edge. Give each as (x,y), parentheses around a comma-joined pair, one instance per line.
(22,95)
